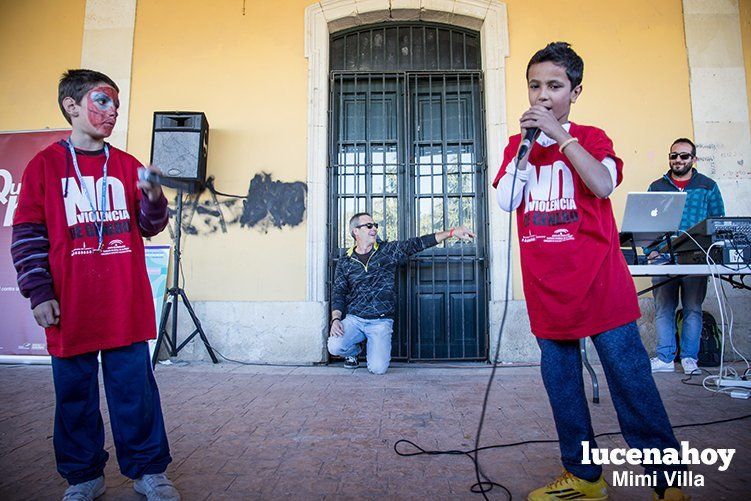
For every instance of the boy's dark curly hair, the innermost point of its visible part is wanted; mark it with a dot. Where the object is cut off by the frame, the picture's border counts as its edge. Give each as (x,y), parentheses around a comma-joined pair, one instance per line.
(561,54)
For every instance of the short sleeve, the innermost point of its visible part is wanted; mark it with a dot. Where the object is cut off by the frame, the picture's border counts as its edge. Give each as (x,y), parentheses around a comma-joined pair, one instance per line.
(30,208)
(599,145)
(508,155)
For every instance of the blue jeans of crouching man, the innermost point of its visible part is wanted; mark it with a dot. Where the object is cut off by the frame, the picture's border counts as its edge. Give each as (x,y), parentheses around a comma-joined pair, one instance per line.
(356,330)
(641,414)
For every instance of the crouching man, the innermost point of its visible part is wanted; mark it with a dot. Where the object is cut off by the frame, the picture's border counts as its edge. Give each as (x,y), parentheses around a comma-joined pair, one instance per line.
(364,291)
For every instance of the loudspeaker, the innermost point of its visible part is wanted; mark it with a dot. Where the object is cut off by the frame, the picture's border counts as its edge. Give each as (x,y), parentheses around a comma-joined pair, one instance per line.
(179,146)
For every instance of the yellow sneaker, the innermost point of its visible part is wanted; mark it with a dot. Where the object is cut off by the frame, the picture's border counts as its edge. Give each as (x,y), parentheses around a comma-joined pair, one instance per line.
(672,494)
(568,486)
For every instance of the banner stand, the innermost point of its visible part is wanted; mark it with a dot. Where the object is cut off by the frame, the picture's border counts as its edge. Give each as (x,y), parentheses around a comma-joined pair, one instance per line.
(21,339)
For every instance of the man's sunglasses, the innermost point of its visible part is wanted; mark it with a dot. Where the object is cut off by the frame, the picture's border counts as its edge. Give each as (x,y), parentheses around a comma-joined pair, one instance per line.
(369,226)
(683,156)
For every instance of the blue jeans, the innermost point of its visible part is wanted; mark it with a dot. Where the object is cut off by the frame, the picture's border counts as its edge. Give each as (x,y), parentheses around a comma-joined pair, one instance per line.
(692,291)
(135,414)
(356,330)
(641,414)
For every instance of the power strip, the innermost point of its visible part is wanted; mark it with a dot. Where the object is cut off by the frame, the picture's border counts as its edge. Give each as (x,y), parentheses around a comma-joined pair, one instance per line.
(743,394)
(738,383)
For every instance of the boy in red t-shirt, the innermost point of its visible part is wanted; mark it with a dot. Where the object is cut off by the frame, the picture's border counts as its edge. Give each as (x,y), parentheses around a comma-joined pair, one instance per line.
(78,250)
(576,281)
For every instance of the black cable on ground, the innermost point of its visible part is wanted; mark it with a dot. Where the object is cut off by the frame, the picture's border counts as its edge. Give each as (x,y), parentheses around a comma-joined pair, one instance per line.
(480,488)
(690,376)
(259,364)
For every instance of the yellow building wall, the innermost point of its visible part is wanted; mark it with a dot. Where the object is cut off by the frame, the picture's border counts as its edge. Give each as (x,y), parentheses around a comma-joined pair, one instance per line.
(39,40)
(247,71)
(636,79)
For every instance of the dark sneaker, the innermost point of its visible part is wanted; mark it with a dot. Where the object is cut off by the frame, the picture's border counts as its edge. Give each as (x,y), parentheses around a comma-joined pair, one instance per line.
(86,491)
(156,488)
(351,363)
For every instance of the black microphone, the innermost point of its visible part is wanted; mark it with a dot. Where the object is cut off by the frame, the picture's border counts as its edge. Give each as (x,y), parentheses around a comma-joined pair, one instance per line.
(529,138)
(170,182)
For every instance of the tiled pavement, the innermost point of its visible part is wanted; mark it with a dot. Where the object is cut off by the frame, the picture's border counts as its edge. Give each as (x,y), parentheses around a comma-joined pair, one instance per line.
(240,432)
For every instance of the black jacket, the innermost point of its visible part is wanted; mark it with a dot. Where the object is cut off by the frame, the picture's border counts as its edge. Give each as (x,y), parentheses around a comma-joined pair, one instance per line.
(367,290)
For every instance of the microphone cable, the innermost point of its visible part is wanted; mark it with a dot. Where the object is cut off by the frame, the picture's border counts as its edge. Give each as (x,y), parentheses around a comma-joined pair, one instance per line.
(483,483)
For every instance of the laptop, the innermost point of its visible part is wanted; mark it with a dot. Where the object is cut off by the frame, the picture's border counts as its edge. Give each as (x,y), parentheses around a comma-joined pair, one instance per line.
(649,215)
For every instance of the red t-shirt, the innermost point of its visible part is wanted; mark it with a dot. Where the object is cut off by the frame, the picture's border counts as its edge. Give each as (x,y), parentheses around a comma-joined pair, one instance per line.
(680,183)
(105,297)
(576,281)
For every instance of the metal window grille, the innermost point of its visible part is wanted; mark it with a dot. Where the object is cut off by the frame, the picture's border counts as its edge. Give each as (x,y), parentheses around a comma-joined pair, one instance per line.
(405,47)
(407,146)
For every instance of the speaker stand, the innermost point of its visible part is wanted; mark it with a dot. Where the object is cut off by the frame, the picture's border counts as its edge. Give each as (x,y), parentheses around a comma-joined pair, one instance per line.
(171,303)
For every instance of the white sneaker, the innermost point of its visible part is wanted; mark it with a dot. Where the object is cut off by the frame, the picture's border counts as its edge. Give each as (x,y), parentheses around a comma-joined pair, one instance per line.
(689,366)
(660,366)
(86,491)
(156,487)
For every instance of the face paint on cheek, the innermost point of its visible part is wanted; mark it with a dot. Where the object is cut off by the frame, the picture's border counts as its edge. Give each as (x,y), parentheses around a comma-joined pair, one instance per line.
(102,104)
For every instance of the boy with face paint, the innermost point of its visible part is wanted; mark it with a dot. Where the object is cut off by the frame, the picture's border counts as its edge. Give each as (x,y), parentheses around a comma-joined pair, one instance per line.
(576,281)
(78,249)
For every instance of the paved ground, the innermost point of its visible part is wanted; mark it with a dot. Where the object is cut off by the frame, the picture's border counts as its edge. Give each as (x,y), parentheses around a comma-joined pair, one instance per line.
(328,433)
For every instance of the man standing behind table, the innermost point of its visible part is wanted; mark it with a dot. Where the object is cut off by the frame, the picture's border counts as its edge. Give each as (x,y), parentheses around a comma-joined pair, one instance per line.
(703,200)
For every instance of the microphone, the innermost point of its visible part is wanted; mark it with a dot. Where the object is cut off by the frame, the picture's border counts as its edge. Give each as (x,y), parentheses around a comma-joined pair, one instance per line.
(170,182)
(529,138)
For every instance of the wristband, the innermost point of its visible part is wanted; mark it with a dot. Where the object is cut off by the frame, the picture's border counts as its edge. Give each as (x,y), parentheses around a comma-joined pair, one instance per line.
(334,320)
(451,233)
(567,142)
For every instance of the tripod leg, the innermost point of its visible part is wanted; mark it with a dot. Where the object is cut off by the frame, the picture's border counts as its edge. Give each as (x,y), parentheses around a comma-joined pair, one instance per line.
(199,328)
(222,223)
(162,332)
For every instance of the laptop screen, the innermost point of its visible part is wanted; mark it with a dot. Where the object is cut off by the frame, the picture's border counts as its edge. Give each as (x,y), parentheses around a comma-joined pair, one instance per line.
(653,212)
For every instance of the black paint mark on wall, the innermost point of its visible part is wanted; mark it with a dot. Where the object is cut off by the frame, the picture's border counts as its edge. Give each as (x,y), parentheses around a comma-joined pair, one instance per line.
(204,217)
(276,202)
(268,203)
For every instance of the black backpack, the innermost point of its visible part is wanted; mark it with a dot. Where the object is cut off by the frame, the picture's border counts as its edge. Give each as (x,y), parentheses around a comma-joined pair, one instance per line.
(709,342)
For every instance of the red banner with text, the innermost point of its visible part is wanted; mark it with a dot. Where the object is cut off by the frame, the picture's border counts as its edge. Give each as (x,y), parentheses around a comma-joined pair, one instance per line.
(19,333)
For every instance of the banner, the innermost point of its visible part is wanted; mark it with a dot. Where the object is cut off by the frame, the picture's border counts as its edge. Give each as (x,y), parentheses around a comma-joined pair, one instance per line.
(157,264)
(19,333)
